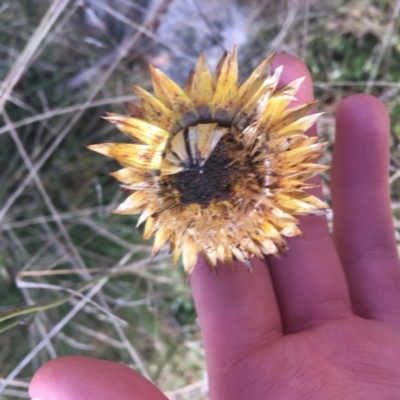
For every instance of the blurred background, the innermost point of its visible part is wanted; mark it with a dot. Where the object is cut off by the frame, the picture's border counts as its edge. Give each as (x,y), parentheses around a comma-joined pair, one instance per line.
(75,279)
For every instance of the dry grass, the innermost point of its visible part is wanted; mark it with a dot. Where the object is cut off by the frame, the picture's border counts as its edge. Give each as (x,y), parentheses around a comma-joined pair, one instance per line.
(75,279)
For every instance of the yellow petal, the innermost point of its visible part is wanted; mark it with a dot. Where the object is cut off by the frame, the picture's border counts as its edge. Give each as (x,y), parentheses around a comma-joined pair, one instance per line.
(267,229)
(256,107)
(291,115)
(168,168)
(308,198)
(299,126)
(146,213)
(218,68)
(208,136)
(178,147)
(201,136)
(280,215)
(189,254)
(155,111)
(225,94)
(173,96)
(268,86)
(169,203)
(102,148)
(210,256)
(296,156)
(291,184)
(273,110)
(132,176)
(250,86)
(130,154)
(158,88)
(201,88)
(228,257)
(222,248)
(252,247)
(268,246)
(140,130)
(241,255)
(149,228)
(307,141)
(175,256)
(291,230)
(160,239)
(300,207)
(280,144)
(288,91)
(305,171)
(133,204)
(188,84)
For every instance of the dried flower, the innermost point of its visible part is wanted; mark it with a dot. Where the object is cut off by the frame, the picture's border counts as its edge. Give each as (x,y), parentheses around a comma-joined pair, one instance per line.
(217,168)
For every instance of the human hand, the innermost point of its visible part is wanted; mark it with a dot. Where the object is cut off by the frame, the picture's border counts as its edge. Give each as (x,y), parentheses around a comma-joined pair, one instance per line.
(322,322)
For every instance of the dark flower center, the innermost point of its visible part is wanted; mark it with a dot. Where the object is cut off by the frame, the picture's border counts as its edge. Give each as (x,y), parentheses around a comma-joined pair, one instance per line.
(212,181)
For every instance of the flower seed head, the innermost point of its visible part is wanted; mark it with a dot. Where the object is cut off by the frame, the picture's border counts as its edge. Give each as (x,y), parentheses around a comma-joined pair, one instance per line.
(216,168)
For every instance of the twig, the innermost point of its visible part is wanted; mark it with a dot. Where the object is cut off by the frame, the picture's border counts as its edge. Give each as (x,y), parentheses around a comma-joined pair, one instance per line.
(382,49)
(23,363)
(28,54)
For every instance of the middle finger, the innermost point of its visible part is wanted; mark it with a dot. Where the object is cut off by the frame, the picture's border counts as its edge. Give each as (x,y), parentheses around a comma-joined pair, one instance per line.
(309,281)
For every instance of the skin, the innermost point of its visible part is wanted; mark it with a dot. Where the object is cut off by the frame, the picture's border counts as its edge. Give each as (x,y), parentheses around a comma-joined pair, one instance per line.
(322,322)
